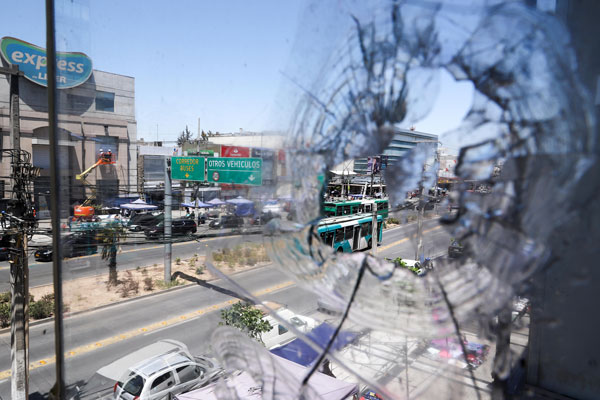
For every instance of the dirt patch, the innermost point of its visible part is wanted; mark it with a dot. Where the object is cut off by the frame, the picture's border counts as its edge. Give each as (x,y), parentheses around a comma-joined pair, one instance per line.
(89,292)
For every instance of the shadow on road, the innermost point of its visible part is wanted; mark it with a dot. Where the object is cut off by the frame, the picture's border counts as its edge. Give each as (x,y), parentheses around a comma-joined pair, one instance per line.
(207,285)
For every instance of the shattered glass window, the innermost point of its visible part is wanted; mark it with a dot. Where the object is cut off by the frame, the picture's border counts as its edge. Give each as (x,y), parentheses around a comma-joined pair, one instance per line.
(405,189)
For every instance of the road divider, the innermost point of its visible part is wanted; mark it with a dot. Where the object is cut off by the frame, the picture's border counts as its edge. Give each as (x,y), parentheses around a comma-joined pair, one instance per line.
(87,348)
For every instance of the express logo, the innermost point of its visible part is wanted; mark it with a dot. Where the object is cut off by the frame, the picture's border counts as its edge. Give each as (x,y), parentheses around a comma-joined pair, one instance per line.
(73,69)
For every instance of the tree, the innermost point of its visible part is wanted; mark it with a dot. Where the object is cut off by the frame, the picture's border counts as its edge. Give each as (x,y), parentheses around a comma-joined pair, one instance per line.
(110,236)
(246,318)
(184,137)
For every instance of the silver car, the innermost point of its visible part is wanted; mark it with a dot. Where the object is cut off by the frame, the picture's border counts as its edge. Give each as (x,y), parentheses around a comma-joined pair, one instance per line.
(171,372)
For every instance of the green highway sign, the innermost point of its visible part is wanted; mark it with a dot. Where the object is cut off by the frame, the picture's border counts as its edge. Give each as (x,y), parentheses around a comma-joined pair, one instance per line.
(187,168)
(243,171)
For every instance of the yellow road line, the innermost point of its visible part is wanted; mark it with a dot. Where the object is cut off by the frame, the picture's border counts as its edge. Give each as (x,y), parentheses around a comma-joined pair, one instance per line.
(87,348)
(387,246)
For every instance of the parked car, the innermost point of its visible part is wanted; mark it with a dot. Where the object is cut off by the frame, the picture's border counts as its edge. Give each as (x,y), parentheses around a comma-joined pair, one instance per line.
(182,226)
(73,245)
(227,221)
(158,371)
(140,222)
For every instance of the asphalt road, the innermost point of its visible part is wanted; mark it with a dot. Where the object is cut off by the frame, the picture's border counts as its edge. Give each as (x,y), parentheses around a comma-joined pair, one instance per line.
(189,314)
(136,249)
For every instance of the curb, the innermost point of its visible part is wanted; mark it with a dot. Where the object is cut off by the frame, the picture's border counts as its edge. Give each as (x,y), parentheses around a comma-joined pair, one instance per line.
(90,310)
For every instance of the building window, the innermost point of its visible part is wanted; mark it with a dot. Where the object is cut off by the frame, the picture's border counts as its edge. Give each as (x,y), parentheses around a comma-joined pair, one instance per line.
(77,102)
(105,101)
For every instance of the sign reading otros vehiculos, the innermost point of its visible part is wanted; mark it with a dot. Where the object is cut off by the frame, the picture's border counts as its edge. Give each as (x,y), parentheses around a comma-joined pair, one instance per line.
(243,171)
(72,69)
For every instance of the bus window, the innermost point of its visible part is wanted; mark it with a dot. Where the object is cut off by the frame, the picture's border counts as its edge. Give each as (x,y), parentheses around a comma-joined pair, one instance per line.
(365,229)
(349,232)
(339,235)
(346,210)
(329,238)
(368,208)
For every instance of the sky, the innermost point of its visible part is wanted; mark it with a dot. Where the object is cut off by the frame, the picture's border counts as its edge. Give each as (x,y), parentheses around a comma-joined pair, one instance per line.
(220,61)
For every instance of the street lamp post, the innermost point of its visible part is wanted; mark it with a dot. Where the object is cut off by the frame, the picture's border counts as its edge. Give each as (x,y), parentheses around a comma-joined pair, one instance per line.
(420,254)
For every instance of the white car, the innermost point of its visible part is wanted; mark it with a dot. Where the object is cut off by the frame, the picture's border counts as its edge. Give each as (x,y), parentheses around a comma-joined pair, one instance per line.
(166,368)
(279,334)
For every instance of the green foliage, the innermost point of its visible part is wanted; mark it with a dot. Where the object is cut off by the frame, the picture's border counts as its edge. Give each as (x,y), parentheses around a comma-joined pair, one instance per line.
(42,308)
(109,237)
(4,309)
(167,285)
(200,270)
(393,220)
(5,297)
(177,260)
(246,318)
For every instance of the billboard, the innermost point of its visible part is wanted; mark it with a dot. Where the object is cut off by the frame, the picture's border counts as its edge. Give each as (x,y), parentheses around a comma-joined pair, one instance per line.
(235,151)
(72,69)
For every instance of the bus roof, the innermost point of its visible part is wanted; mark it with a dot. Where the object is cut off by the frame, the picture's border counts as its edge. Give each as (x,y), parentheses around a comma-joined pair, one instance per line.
(333,223)
(341,203)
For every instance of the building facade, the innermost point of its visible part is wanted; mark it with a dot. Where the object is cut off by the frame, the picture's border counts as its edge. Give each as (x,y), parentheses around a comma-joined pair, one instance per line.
(403,141)
(96,115)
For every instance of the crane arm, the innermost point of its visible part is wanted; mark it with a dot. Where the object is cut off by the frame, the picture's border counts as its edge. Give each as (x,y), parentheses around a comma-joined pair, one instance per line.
(82,176)
(105,158)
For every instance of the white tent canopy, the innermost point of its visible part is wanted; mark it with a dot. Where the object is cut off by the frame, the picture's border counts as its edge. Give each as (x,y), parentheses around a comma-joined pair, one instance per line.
(326,387)
(139,204)
(343,173)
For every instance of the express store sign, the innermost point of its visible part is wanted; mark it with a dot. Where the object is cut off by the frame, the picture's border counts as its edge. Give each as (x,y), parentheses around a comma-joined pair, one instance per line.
(72,69)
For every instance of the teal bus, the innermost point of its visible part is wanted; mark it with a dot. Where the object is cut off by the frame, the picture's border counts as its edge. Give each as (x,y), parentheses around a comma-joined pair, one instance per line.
(342,208)
(350,233)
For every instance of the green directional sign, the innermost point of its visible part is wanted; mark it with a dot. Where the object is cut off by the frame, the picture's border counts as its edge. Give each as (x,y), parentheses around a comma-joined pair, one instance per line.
(187,168)
(243,171)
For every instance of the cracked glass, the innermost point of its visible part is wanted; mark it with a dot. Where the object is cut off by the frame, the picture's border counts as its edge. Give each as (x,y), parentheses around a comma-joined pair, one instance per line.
(406,212)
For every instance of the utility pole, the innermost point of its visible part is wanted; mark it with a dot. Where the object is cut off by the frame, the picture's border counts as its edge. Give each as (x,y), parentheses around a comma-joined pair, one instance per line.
(374,231)
(19,269)
(419,252)
(168,218)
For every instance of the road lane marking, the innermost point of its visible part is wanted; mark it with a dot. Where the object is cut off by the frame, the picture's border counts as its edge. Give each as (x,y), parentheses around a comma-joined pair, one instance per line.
(388,246)
(142,331)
